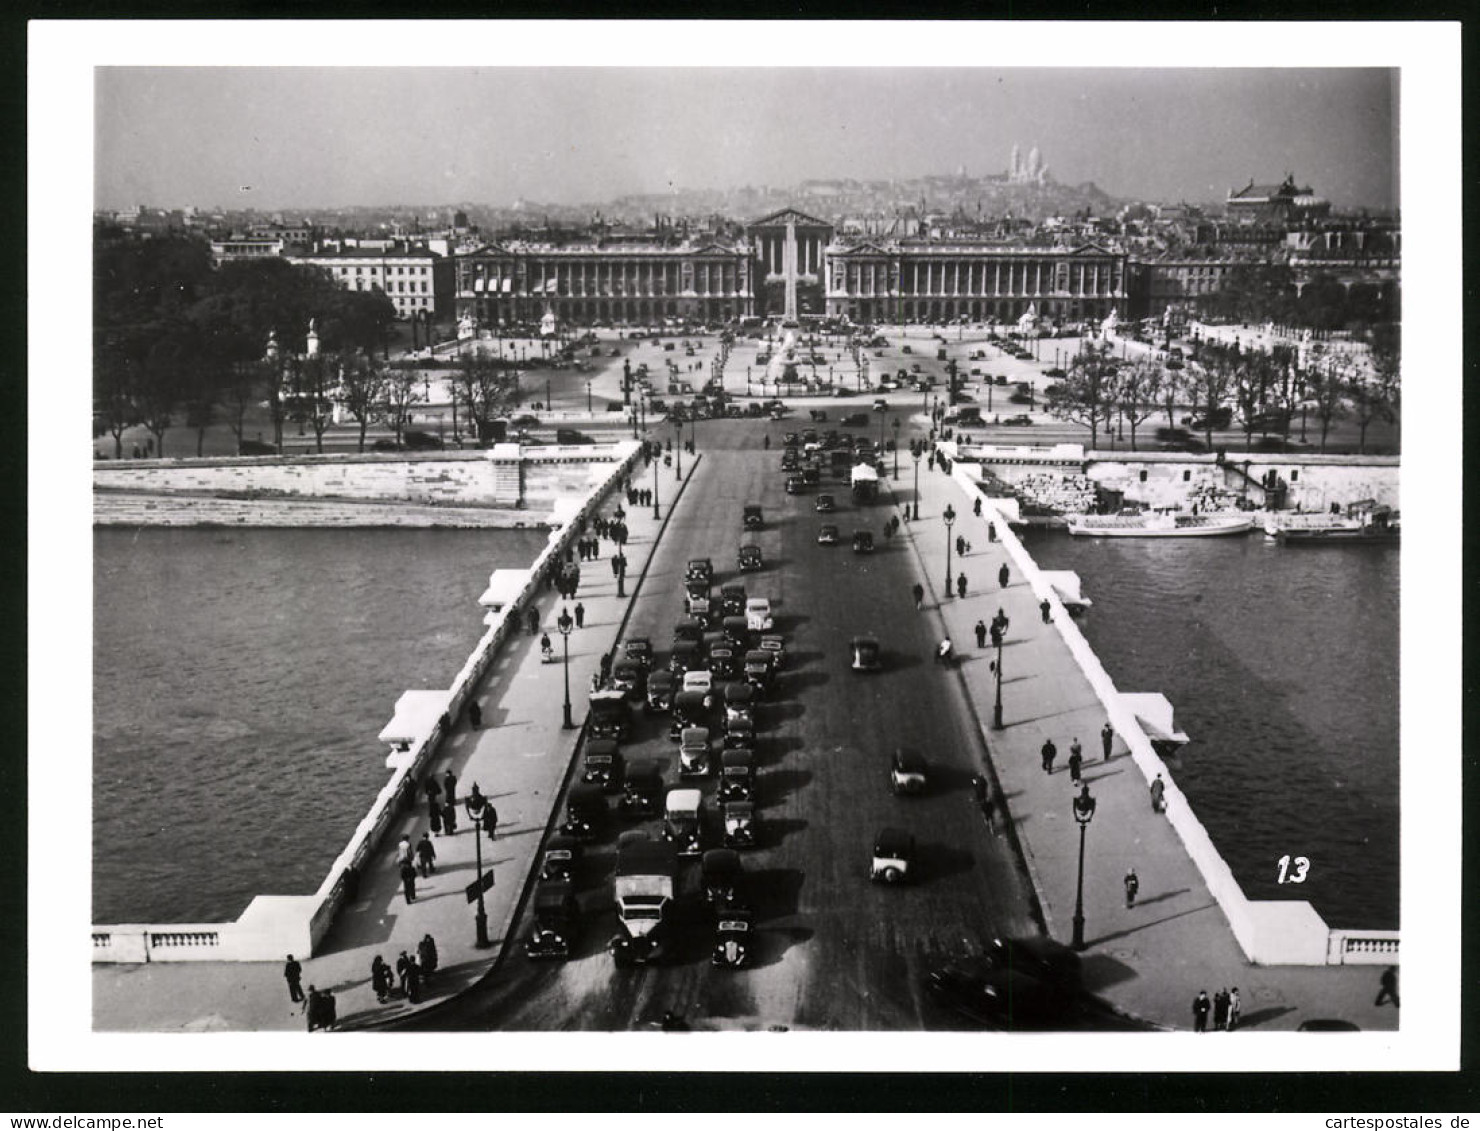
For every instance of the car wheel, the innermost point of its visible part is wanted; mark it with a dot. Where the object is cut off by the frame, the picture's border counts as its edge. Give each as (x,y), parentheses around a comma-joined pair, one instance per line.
(892,875)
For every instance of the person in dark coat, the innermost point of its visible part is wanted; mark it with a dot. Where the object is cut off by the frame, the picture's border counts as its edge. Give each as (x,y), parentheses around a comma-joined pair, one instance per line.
(1158,792)
(330,1009)
(1200,1008)
(580,615)
(413,981)
(1389,989)
(1046,610)
(981,634)
(380,979)
(433,790)
(313,1012)
(475,715)
(1076,759)
(1107,738)
(449,787)
(919,594)
(1132,886)
(961,585)
(1220,1010)
(426,953)
(426,855)
(534,620)
(403,971)
(434,815)
(606,667)
(408,880)
(960,545)
(293,975)
(1003,575)
(490,820)
(449,820)
(976,506)
(1049,752)
(1000,622)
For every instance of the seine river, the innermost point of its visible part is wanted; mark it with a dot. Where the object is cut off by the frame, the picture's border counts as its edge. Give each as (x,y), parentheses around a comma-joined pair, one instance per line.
(1282,665)
(239,681)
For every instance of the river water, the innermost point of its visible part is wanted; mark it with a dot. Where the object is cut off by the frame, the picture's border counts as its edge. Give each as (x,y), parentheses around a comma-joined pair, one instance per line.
(239,681)
(1282,665)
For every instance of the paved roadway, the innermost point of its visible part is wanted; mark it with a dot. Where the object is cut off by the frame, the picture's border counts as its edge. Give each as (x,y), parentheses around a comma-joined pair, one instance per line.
(834,950)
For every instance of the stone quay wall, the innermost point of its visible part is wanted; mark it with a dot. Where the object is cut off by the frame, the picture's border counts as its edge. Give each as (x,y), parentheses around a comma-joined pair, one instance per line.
(273,925)
(1270,932)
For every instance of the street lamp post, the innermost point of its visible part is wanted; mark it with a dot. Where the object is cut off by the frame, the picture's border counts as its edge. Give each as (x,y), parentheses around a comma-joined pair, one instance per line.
(677,449)
(997,706)
(896,449)
(621,573)
(950,517)
(655,483)
(1084,812)
(474,804)
(548,405)
(588,398)
(917,449)
(564,623)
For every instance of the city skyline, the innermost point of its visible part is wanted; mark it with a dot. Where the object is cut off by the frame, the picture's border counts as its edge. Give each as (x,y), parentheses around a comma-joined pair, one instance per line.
(279,138)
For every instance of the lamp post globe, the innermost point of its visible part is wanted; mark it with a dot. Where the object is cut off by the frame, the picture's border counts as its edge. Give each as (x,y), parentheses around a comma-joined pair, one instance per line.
(1084,813)
(565,623)
(917,451)
(950,518)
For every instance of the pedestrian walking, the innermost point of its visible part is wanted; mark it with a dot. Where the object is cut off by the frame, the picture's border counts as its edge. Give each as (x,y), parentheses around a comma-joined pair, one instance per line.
(408,880)
(426,855)
(293,975)
(1076,759)
(534,620)
(1220,1009)
(1046,610)
(1000,622)
(1132,885)
(1158,795)
(1107,738)
(580,615)
(976,506)
(991,532)
(616,565)
(981,634)
(1049,752)
(490,821)
(1200,1008)
(432,789)
(1389,986)
(960,545)
(1002,576)
(380,979)
(961,585)
(1234,1007)
(919,594)
(426,954)
(475,715)
(403,972)
(434,817)
(449,819)
(449,787)
(313,1010)
(404,850)
(606,666)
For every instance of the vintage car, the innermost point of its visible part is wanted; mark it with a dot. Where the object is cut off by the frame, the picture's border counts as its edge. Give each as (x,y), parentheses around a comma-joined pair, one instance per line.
(753,519)
(640,651)
(739,819)
(603,764)
(739,700)
(907,771)
(630,678)
(721,874)
(863,541)
(739,732)
(661,686)
(794,485)
(1026,983)
(855,420)
(827,534)
(758,614)
(750,558)
(826,504)
(758,670)
(689,628)
(585,811)
(736,630)
(683,820)
(702,681)
(700,569)
(790,461)
(686,656)
(724,660)
(867,656)
(732,935)
(775,643)
(561,858)
(642,789)
(697,602)
(812,475)
(693,752)
(894,854)
(737,775)
(609,715)
(732,600)
(556,924)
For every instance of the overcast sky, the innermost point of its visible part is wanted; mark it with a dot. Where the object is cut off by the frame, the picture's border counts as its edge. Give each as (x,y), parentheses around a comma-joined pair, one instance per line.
(311,137)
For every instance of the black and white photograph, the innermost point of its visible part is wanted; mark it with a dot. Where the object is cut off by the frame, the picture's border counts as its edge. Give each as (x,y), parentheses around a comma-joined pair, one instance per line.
(879,542)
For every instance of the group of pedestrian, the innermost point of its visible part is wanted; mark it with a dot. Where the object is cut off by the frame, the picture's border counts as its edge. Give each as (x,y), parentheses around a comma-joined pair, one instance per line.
(963,547)
(567,579)
(588,549)
(640,496)
(442,800)
(1224,1007)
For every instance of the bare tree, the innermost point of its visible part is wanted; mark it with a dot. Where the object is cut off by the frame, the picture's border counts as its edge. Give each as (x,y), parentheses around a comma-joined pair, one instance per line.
(1138,390)
(1086,394)
(240,386)
(362,387)
(317,381)
(399,397)
(1209,381)
(482,387)
(1327,383)
(1374,389)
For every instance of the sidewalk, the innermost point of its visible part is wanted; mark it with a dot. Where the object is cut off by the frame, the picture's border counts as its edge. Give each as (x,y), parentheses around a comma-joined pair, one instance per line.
(1149,960)
(519,759)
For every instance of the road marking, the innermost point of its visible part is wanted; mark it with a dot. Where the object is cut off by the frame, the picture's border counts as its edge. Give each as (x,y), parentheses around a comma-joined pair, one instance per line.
(534,754)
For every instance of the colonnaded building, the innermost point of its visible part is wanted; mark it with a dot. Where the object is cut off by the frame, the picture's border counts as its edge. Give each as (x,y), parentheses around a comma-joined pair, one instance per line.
(788,264)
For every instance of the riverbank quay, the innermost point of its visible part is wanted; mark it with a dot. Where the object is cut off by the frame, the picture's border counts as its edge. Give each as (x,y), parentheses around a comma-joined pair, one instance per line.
(519,758)
(1152,958)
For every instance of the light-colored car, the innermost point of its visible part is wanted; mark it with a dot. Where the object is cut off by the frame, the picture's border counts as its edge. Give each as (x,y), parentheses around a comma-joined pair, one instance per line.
(907,771)
(701,681)
(758,614)
(894,853)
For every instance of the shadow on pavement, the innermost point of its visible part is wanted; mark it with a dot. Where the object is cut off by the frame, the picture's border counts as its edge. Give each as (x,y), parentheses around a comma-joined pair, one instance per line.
(1212,903)
(775,785)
